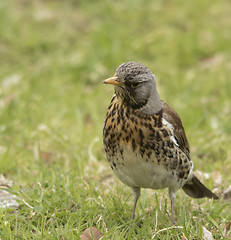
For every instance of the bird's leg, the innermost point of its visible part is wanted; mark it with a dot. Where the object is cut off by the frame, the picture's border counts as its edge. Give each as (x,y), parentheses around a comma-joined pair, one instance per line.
(172,196)
(172,212)
(136,193)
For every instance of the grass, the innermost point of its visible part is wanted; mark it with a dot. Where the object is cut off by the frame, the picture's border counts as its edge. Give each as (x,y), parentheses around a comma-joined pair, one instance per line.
(54,56)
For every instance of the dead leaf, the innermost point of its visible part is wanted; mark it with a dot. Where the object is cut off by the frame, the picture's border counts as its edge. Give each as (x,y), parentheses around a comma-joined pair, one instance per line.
(227,193)
(7,200)
(11,80)
(183,237)
(213,61)
(201,175)
(217,178)
(5,182)
(91,233)
(207,235)
(228,226)
(47,156)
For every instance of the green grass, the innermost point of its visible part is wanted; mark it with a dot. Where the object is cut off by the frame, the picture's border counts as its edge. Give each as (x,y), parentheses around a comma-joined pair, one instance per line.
(53,58)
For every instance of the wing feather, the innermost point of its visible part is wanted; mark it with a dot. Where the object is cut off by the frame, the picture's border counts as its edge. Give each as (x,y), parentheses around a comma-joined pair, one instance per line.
(171,116)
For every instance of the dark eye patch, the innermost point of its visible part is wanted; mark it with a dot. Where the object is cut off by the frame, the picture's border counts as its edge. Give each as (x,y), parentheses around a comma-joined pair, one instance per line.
(132,84)
(135,84)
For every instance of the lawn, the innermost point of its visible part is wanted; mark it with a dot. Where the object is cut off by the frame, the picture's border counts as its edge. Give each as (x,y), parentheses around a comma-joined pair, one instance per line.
(54,56)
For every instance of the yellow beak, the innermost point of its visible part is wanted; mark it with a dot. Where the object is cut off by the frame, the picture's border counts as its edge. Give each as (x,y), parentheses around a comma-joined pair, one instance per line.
(113,81)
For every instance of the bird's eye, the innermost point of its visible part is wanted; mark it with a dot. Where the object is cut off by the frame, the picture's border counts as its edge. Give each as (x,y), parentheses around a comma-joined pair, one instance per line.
(135,84)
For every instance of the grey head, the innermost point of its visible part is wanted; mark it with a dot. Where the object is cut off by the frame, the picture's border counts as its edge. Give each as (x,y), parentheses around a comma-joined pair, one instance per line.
(135,85)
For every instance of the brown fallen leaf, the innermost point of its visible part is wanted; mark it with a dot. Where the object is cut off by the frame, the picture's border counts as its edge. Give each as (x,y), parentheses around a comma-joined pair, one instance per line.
(91,234)
(228,226)
(47,156)
(226,229)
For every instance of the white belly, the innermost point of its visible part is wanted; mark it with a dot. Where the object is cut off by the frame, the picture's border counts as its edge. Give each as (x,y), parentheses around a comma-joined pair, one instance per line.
(137,172)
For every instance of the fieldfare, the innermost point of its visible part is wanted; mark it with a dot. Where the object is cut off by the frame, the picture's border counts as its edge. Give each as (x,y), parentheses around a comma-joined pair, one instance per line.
(144,139)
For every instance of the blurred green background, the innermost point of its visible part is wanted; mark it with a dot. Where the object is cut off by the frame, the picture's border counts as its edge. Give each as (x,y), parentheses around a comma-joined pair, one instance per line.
(54,56)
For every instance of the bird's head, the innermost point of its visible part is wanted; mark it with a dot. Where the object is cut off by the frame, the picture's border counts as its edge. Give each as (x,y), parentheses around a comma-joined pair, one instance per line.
(135,85)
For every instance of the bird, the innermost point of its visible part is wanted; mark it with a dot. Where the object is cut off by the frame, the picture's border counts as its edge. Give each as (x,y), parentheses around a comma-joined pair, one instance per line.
(144,139)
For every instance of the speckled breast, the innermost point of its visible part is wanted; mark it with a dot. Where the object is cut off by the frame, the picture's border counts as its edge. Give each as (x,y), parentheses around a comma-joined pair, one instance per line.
(139,149)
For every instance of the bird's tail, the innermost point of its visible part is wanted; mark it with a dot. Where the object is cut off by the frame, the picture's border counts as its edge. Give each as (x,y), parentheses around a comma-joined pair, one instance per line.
(194,188)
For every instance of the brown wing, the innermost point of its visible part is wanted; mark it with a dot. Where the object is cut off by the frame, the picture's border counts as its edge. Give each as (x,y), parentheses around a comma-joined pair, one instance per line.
(193,187)
(173,118)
